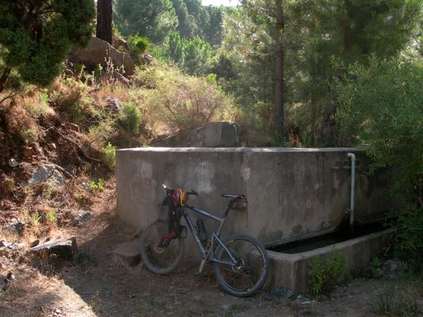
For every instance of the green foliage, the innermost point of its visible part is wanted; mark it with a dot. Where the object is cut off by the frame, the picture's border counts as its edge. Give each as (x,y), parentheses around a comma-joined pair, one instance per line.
(138,44)
(153,19)
(36,36)
(325,273)
(130,118)
(197,20)
(376,268)
(381,106)
(409,244)
(109,155)
(397,301)
(35,218)
(180,102)
(193,55)
(51,216)
(320,39)
(97,185)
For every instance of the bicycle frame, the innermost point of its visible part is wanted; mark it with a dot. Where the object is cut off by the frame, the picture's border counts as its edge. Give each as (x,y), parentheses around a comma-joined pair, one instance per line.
(208,253)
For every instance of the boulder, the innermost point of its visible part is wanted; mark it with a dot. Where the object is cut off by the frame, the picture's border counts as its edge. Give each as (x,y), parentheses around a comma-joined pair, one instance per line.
(62,248)
(99,52)
(215,134)
(47,172)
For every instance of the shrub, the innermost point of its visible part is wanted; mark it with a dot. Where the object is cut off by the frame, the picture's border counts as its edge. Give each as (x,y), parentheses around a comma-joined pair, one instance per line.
(130,118)
(180,102)
(138,45)
(35,47)
(97,185)
(409,244)
(51,216)
(325,273)
(381,106)
(109,155)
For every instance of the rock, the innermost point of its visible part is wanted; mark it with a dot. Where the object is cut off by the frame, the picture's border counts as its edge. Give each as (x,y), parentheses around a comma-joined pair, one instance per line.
(147,59)
(81,217)
(6,281)
(99,52)
(63,248)
(215,134)
(17,226)
(120,44)
(128,253)
(392,269)
(13,163)
(113,104)
(47,172)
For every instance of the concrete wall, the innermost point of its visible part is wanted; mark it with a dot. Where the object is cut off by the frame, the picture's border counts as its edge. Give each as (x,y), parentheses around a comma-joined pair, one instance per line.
(292,193)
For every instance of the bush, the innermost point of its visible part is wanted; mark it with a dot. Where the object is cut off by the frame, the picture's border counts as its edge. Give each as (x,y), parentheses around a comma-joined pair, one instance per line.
(130,118)
(381,106)
(138,44)
(109,155)
(180,102)
(35,47)
(325,273)
(193,55)
(410,237)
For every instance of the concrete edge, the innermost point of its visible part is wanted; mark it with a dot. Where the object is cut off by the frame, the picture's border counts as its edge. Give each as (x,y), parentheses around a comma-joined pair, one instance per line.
(325,250)
(237,149)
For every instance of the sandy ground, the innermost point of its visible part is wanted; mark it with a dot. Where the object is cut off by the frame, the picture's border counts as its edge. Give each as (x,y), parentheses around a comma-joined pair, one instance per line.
(101,284)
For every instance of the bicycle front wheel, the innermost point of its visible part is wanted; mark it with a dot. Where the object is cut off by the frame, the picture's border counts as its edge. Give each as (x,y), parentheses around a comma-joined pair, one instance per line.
(160,254)
(248,273)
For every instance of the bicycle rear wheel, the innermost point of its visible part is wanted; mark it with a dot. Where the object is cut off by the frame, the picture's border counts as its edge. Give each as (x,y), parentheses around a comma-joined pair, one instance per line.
(159,254)
(249,273)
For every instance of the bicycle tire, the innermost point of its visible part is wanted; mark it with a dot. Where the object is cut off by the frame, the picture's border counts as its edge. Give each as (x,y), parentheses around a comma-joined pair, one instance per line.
(147,248)
(260,256)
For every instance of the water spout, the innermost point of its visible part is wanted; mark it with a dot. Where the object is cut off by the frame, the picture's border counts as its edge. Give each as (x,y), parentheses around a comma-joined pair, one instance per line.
(353,159)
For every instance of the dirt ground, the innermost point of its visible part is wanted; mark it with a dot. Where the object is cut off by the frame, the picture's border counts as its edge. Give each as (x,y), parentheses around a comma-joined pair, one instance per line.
(98,283)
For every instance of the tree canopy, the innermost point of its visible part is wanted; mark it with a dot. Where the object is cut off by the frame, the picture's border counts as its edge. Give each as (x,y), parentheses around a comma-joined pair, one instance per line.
(36,36)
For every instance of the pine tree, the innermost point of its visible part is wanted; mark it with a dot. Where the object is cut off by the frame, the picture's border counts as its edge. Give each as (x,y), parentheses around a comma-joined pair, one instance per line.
(104,20)
(36,36)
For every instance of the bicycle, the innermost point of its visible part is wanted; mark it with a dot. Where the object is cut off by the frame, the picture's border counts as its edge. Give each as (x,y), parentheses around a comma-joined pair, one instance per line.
(240,263)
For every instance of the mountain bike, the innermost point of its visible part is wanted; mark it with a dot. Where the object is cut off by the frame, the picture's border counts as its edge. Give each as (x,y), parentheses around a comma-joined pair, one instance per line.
(240,263)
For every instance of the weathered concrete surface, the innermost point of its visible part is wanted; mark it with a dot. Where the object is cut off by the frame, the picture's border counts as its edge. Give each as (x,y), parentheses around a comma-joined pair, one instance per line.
(293,270)
(214,134)
(292,193)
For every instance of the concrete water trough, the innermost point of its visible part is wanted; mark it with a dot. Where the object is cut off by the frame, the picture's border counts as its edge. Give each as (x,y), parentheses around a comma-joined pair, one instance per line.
(293,195)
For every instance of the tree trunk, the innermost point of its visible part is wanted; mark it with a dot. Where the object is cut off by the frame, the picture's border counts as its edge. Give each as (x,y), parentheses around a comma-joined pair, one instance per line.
(279,115)
(104,20)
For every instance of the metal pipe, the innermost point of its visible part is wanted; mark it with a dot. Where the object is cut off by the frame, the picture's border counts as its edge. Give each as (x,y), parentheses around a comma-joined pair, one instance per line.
(353,159)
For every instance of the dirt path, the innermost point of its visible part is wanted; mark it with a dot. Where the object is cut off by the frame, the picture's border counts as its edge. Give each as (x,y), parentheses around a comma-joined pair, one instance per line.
(99,284)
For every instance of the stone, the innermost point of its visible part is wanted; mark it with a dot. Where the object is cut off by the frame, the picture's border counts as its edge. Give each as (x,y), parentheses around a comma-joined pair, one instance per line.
(5,281)
(13,163)
(17,226)
(99,52)
(82,217)
(47,172)
(113,104)
(63,248)
(214,134)
(392,269)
